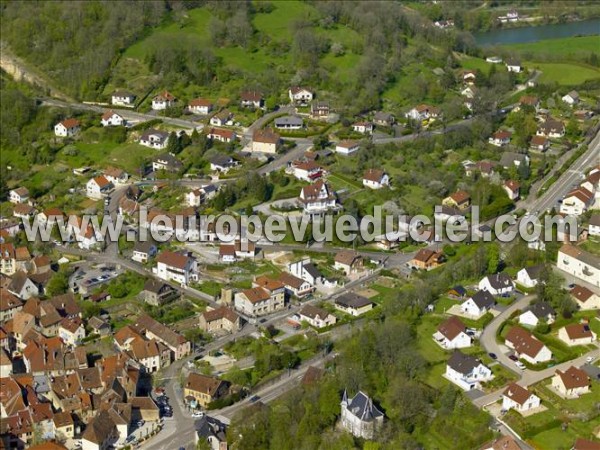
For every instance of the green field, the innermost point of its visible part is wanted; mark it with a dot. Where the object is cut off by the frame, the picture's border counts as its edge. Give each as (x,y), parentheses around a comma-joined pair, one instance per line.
(565,73)
(571,47)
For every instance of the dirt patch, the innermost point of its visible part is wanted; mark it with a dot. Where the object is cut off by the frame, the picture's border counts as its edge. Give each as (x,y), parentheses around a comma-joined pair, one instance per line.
(369,293)
(386,282)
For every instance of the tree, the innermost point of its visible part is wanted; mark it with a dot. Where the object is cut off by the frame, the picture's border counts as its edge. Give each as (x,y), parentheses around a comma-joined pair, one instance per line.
(59,283)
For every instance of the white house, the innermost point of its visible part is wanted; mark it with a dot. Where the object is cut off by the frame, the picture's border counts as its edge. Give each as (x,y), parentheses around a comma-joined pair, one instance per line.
(122,98)
(375,179)
(577,202)
(466,371)
(67,128)
(155,139)
(163,101)
(363,127)
(295,286)
(258,301)
(526,346)
(585,298)
(19,195)
(265,141)
(200,106)
(423,112)
(300,95)
(540,311)
(317,198)
(252,99)
(115,175)
(572,98)
(529,276)
(143,251)
(497,284)
(580,264)
(194,197)
(222,163)
(539,143)
(479,304)
(98,187)
(551,128)
(71,331)
(577,334)
(348,262)
(221,118)
(347,147)
(317,317)
(519,398)
(111,118)
(452,334)
(308,171)
(500,138)
(360,416)
(167,162)
(171,266)
(221,135)
(512,189)
(307,271)
(514,66)
(572,383)
(353,304)
(289,123)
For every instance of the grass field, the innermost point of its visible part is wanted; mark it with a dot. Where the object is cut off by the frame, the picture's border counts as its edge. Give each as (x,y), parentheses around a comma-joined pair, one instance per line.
(565,73)
(563,47)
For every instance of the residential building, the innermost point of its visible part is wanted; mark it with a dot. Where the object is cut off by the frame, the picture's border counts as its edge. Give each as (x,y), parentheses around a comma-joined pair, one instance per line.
(155,139)
(179,346)
(479,304)
(319,110)
(466,371)
(222,163)
(308,171)
(529,276)
(572,98)
(551,128)
(512,159)
(166,162)
(67,128)
(497,284)
(347,147)
(172,266)
(18,195)
(426,259)
(500,138)
(452,334)
(111,119)
(266,141)
(585,444)
(300,95)
(539,143)
(384,119)
(519,398)
(252,99)
(220,319)
(580,264)
(221,135)
(573,382)
(363,127)
(289,123)
(585,298)
(143,251)
(163,101)
(98,187)
(577,334)
(200,390)
(258,301)
(537,313)
(317,317)
(513,65)
(200,106)
(222,118)
(353,304)
(348,262)
(71,331)
(318,198)
(24,211)
(528,101)
(116,176)
(459,199)
(526,346)
(157,293)
(100,433)
(375,179)
(307,271)
(122,98)
(23,286)
(594,225)
(295,286)
(423,112)
(512,189)
(360,416)
(577,202)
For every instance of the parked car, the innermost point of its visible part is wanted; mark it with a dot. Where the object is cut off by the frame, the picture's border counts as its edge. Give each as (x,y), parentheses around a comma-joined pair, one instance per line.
(520,365)
(254,399)
(589,359)
(492,355)
(513,357)
(198,414)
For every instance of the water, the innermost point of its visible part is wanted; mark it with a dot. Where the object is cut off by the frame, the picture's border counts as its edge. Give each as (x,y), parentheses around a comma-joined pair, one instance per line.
(538,33)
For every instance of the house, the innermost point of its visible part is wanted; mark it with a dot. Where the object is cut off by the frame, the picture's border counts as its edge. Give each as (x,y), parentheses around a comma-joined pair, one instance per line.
(115,175)
(222,163)
(347,147)
(551,128)
(212,431)
(122,98)
(348,262)
(360,416)
(319,110)
(63,425)
(528,101)
(375,179)
(194,198)
(307,271)
(289,123)
(317,317)
(157,293)
(200,390)
(308,171)
(577,202)
(479,304)
(443,24)
(459,199)
(19,195)
(363,127)
(536,313)
(266,141)
(594,225)
(469,76)
(143,251)
(519,398)
(497,284)
(573,382)
(526,346)
(529,276)
(317,198)
(252,99)
(294,285)
(221,118)
(445,213)
(163,101)
(426,259)
(99,326)
(512,189)
(219,320)
(100,433)
(167,162)
(503,442)
(452,334)
(423,112)
(258,301)
(98,187)
(221,135)
(466,371)
(67,128)
(384,119)
(155,139)
(227,253)
(111,118)
(457,291)
(172,266)
(539,143)
(24,211)
(514,65)
(572,98)
(577,334)
(353,304)
(179,346)
(200,106)
(469,92)
(300,95)
(500,138)
(71,331)
(22,286)
(592,182)
(584,444)
(493,59)
(585,298)
(580,264)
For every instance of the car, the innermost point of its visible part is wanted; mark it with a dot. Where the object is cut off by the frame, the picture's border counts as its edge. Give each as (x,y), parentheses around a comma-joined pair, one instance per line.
(589,359)
(513,357)
(140,423)
(571,286)
(254,399)
(492,355)
(520,365)
(198,414)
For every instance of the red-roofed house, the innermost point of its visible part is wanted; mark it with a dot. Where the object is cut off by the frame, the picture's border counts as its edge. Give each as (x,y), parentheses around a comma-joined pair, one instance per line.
(172,266)
(111,118)
(200,106)
(306,170)
(98,187)
(512,189)
(577,202)
(265,141)
(67,128)
(221,135)
(375,179)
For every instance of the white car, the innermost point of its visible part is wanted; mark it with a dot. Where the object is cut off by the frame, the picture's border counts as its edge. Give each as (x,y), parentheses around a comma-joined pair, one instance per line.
(520,365)
(198,414)
(589,359)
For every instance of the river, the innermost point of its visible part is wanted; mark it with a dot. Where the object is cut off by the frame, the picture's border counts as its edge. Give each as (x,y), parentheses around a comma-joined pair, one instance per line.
(538,33)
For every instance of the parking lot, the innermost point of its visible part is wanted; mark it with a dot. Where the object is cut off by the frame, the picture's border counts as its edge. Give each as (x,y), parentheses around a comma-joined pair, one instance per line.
(88,278)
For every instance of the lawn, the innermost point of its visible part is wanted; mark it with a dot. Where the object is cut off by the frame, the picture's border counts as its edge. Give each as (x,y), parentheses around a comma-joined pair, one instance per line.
(277,23)
(591,246)
(564,73)
(562,47)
